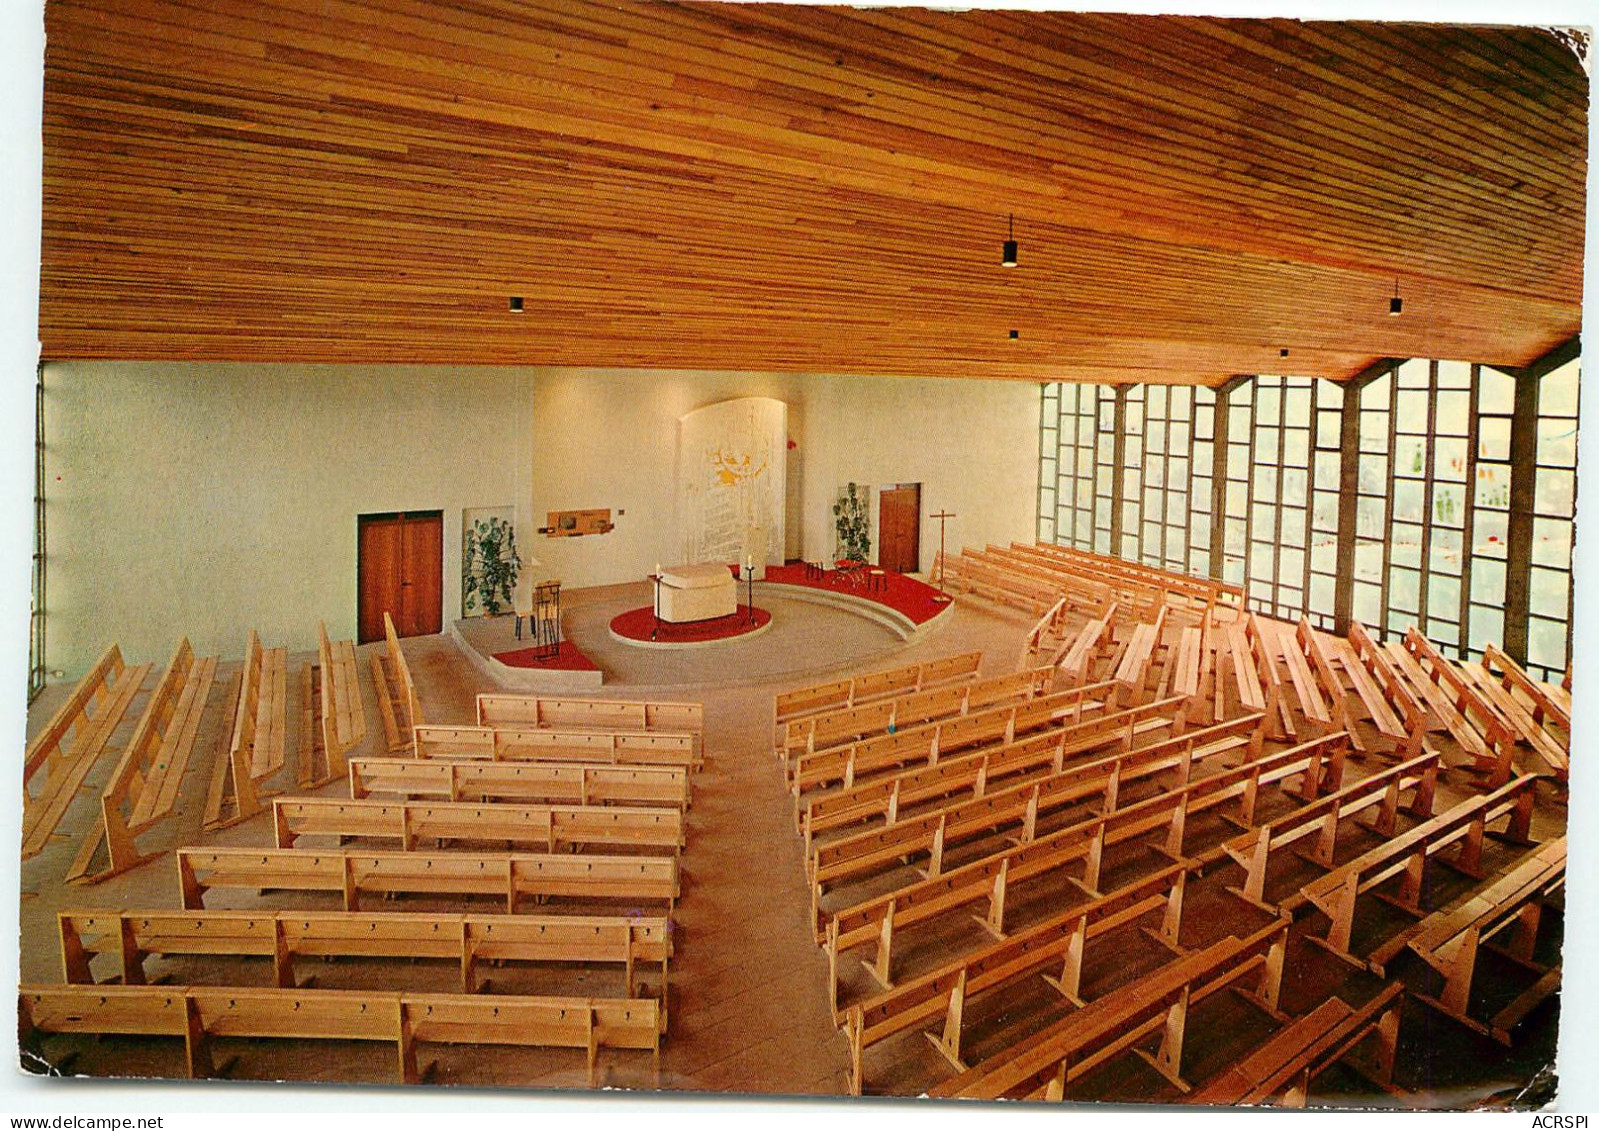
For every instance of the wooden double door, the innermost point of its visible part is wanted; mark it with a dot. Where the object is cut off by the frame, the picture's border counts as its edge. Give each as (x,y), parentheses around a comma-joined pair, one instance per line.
(400,563)
(899,528)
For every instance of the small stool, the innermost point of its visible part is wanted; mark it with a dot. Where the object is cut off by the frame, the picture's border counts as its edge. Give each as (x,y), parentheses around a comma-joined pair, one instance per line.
(877,579)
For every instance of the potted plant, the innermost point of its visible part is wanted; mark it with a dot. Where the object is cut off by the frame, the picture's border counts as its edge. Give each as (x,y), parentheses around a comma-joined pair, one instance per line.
(492,566)
(850,520)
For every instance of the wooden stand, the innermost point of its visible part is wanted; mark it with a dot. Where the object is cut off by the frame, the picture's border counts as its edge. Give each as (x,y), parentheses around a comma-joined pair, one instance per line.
(943,598)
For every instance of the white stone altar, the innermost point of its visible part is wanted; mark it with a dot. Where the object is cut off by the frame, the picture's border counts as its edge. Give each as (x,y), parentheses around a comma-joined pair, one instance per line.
(697,592)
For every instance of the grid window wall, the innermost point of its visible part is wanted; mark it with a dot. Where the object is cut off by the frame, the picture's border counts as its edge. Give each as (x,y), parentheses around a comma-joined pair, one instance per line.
(1488,524)
(1428,574)
(1554,506)
(1371,501)
(1104,469)
(1237,466)
(1432,503)
(1069,465)
(1281,477)
(1132,474)
(1326,469)
(1201,472)
(1166,477)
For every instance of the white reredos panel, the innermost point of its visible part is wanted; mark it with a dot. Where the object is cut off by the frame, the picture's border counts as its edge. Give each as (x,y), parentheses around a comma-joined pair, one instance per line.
(732,481)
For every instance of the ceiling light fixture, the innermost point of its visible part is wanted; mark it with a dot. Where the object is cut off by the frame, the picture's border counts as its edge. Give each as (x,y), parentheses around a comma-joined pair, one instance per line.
(1009,257)
(1396,304)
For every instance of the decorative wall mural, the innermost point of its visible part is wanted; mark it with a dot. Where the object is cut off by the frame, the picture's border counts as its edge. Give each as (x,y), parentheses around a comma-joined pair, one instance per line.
(731,474)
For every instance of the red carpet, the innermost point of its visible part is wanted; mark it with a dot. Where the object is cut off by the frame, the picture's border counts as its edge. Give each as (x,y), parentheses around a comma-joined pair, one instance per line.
(901,593)
(569,659)
(637,624)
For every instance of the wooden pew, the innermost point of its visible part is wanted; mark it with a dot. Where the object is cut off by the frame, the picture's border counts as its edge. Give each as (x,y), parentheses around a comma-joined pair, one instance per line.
(554,827)
(1461,707)
(1449,940)
(1317,690)
(1527,707)
(1542,703)
(876,921)
(536,744)
(1406,855)
(1132,674)
(1055,944)
(1090,644)
(975,773)
(928,674)
(143,787)
(258,746)
(1045,1064)
(1265,651)
(398,704)
(69,745)
(197,1013)
(1286,1066)
(1189,669)
(1081,591)
(1044,636)
(284,936)
(332,711)
(573,783)
(342,692)
(886,715)
(524,711)
(1395,712)
(1185,591)
(512,877)
(933,831)
(1318,653)
(844,765)
(965,573)
(1322,818)
(1090,589)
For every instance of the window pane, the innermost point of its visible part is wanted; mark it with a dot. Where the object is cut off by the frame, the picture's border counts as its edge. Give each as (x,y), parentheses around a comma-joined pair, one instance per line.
(1449,458)
(1551,543)
(1404,590)
(1410,456)
(1449,504)
(1550,592)
(1404,546)
(1555,493)
(1443,598)
(1488,581)
(1487,626)
(1493,438)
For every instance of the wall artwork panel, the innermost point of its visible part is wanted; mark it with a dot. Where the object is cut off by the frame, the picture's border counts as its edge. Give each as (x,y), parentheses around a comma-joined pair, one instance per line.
(731,475)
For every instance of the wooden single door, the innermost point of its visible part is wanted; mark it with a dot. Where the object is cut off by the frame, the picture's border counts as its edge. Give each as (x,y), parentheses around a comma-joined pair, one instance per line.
(899,525)
(401,568)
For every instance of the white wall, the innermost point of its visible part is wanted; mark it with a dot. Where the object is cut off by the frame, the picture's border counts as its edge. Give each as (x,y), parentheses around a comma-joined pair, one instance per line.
(972,445)
(209,499)
(608,438)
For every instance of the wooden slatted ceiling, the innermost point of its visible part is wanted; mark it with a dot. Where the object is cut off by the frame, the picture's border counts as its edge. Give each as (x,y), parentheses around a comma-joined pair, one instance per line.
(770,187)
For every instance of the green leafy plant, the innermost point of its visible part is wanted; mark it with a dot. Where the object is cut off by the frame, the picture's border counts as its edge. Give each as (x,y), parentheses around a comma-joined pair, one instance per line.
(492,566)
(849,519)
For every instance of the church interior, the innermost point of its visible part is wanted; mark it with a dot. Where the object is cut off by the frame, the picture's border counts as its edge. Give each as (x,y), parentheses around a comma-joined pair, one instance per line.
(803,550)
